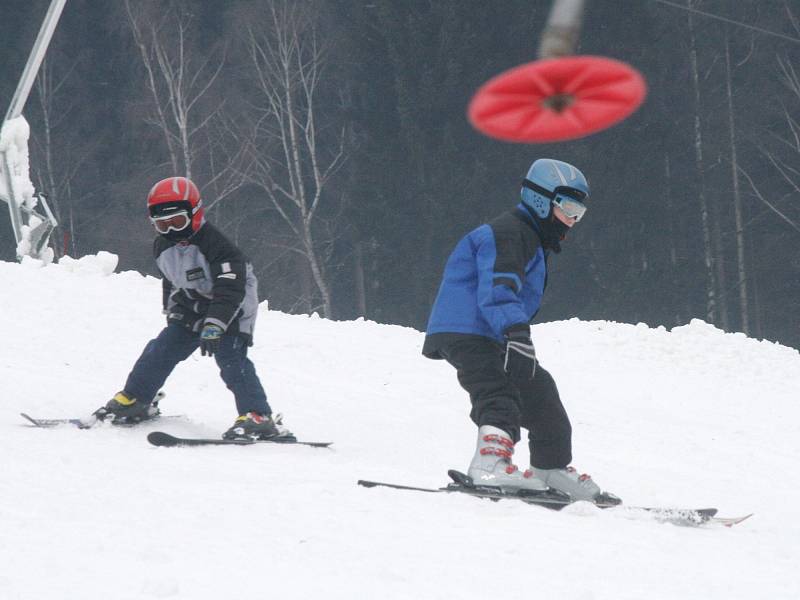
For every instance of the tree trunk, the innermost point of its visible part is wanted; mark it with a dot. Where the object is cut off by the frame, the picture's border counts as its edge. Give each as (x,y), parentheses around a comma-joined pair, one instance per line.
(708,257)
(741,269)
(316,270)
(305,304)
(361,291)
(673,247)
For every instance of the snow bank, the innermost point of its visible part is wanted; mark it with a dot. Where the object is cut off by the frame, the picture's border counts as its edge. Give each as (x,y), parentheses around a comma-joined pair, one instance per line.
(691,417)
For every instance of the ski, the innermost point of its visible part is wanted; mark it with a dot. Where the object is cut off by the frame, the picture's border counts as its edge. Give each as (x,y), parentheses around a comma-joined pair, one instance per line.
(100,416)
(691,517)
(462,484)
(90,421)
(165,440)
(84,423)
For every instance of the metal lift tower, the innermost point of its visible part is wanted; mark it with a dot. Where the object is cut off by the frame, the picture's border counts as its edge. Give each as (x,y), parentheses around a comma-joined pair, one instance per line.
(32,229)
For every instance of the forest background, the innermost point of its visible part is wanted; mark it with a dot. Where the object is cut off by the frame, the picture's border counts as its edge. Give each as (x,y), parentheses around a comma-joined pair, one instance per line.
(330,142)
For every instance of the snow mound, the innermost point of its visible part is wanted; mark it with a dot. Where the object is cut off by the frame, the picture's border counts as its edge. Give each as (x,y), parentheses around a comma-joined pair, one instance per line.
(691,417)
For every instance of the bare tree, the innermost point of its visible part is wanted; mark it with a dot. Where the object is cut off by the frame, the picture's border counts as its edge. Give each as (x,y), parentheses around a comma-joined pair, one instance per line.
(712,300)
(789,142)
(179,77)
(741,267)
(293,153)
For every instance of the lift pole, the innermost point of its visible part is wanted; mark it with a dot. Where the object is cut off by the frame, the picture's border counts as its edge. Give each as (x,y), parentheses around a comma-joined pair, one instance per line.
(31,228)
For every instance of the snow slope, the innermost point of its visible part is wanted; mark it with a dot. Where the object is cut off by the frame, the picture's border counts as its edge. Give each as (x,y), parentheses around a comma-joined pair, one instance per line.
(691,416)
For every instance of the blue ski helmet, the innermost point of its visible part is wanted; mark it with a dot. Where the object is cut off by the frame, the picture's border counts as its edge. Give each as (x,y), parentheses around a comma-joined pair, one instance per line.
(547,176)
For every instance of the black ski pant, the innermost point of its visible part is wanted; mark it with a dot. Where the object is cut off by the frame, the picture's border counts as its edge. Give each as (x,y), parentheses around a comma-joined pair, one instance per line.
(174,344)
(500,401)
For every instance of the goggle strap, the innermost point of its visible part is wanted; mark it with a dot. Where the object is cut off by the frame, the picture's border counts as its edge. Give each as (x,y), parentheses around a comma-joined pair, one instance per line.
(538,189)
(169,216)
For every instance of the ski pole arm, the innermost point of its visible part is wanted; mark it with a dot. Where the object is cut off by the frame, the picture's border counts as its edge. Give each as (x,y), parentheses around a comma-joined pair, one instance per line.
(563,29)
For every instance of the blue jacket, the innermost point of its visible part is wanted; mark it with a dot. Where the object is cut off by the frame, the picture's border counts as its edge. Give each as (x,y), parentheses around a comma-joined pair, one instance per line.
(493,280)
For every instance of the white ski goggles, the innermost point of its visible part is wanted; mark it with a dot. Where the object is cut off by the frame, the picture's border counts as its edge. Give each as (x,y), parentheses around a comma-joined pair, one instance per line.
(568,199)
(173,222)
(572,208)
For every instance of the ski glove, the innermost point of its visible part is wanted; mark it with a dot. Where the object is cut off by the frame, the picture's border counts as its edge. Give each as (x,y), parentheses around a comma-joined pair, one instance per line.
(209,339)
(520,360)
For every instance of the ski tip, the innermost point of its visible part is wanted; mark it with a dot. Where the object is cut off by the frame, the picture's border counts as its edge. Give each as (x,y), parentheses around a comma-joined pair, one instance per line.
(86,423)
(368,484)
(731,521)
(159,438)
(30,419)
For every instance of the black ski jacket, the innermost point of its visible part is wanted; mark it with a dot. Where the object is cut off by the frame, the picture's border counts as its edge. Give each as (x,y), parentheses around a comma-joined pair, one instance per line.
(207,279)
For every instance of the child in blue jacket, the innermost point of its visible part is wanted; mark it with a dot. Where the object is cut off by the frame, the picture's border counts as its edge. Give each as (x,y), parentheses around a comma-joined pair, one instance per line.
(480,323)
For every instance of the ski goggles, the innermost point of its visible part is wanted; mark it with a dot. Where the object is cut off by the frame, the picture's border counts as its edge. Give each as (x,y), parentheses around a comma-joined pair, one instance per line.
(571,207)
(568,199)
(173,222)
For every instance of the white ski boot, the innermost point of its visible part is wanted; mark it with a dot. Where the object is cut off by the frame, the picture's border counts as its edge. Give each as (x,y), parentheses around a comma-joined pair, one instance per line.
(492,466)
(578,487)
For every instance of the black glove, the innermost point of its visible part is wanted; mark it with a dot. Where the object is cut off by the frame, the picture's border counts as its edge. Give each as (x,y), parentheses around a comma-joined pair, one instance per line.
(520,354)
(209,339)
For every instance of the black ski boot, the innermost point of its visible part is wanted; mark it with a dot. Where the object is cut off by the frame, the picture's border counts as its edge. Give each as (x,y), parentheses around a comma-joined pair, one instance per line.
(253,426)
(123,409)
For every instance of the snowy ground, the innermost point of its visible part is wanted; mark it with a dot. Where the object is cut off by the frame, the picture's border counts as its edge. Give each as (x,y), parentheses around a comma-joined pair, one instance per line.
(690,417)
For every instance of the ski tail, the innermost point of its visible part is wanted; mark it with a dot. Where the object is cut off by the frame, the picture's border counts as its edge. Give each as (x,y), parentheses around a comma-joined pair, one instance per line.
(395,486)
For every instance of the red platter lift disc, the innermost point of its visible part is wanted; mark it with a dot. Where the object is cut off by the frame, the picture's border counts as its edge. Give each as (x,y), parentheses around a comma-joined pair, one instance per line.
(557,99)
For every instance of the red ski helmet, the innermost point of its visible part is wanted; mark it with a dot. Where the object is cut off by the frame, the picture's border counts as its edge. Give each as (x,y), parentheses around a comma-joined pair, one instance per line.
(176,192)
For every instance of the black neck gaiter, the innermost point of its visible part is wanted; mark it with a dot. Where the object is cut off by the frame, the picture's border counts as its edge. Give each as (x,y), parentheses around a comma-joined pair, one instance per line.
(551,231)
(176,237)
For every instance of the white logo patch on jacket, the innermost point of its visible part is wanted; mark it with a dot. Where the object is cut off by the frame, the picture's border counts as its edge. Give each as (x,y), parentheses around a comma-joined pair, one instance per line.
(226,271)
